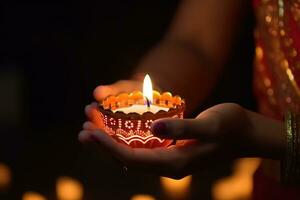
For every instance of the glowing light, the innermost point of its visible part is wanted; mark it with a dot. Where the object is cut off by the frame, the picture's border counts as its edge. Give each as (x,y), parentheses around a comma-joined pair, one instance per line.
(176,189)
(142,197)
(240,184)
(290,74)
(32,196)
(259,52)
(268,19)
(147,88)
(131,125)
(5,176)
(68,188)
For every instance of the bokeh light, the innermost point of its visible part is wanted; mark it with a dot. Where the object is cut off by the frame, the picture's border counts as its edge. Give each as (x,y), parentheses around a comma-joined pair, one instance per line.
(240,184)
(32,196)
(68,188)
(142,197)
(5,176)
(176,189)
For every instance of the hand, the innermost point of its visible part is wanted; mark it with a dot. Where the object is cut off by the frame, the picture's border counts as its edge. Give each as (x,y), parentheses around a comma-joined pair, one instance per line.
(223,132)
(118,87)
(102,92)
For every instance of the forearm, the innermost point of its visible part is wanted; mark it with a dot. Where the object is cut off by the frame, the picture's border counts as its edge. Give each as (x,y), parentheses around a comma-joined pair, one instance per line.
(181,68)
(190,58)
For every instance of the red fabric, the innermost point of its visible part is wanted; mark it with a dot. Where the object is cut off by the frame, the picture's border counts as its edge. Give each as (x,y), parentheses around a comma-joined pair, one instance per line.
(295,34)
(255,3)
(266,188)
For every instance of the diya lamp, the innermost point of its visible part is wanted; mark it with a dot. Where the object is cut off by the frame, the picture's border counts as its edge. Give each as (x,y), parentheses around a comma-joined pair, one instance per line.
(128,117)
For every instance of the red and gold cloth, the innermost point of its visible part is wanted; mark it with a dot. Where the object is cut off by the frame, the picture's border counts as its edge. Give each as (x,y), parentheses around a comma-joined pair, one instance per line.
(276,78)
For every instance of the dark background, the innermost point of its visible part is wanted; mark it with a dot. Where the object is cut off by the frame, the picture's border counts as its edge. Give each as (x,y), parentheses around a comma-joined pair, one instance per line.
(52,56)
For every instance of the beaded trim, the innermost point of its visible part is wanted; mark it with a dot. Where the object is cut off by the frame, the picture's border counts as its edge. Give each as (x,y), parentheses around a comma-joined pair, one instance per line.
(290,165)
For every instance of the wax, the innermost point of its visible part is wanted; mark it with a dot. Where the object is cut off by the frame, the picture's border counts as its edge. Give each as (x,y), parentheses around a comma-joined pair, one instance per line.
(140,109)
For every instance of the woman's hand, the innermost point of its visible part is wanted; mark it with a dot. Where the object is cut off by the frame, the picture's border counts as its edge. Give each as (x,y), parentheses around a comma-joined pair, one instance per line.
(223,132)
(118,87)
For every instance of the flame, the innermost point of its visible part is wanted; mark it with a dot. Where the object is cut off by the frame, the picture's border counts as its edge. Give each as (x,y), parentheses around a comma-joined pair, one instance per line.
(147,88)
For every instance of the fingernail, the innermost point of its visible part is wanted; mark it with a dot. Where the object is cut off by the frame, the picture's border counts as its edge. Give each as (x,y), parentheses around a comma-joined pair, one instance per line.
(94,138)
(159,128)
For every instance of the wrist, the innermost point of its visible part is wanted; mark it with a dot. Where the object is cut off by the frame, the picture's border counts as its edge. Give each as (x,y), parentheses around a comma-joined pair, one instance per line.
(265,137)
(290,163)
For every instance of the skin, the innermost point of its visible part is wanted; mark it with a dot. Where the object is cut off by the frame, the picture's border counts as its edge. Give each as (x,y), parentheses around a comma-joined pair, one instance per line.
(223,132)
(191,48)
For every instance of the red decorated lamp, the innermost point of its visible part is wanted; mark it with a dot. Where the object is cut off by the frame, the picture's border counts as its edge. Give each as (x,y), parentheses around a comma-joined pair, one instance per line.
(128,117)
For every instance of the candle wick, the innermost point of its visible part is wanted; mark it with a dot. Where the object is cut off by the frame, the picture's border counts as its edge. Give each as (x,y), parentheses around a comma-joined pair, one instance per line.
(148,103)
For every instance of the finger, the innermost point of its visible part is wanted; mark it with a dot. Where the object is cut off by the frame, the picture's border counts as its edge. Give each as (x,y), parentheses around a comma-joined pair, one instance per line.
(104,91)
(89,109)
(157,160)
(84,136)
(204,128)
(89,126)
(93,115)
(123,152)
(170,162)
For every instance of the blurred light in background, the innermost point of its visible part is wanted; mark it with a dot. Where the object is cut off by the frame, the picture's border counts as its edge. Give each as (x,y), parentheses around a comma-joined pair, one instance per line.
(238,186)
(68,188)
(5,177)
(176,189)
(142,197)
(32,196)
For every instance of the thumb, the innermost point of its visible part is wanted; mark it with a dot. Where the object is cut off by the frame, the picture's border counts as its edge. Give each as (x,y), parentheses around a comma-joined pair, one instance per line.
(104,91)
(204,129)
